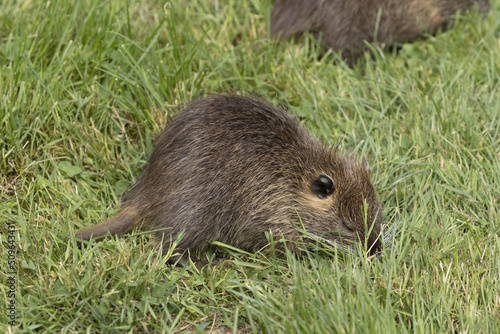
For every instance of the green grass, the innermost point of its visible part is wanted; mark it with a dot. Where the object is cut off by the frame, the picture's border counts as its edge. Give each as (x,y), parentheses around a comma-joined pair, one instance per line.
(85,87)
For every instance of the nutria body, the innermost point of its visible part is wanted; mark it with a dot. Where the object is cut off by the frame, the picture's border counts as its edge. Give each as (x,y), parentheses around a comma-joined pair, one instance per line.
(348,24)
(231,169)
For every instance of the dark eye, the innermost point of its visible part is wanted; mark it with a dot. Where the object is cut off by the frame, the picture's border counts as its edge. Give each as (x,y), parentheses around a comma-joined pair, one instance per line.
(323,186)
(347,226)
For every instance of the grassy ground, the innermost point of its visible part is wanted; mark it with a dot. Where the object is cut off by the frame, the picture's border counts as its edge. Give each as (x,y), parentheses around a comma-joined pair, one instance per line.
(85,86)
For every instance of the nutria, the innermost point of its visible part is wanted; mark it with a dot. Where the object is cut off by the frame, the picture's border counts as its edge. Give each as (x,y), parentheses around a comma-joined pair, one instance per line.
(346,25)
(233,168)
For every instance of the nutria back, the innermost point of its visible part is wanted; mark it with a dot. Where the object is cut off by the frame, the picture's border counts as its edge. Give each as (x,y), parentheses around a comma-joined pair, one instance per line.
(232,168)
(348,24)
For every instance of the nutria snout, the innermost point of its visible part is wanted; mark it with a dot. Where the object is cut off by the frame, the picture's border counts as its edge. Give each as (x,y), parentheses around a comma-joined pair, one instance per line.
(233,168)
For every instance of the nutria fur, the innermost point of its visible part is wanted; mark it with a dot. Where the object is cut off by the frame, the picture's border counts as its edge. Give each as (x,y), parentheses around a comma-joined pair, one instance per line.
(231,169)
(348,24)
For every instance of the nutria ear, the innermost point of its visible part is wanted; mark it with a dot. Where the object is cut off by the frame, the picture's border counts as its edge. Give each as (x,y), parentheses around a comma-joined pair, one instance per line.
(366,165)
(323,186)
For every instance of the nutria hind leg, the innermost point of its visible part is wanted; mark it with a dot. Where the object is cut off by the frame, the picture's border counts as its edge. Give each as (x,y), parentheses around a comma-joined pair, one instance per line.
(181,254)
(182,243)
(182,259)
(178,260)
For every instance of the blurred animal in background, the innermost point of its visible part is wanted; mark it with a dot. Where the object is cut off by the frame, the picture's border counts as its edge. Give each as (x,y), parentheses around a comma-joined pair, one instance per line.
(346,25)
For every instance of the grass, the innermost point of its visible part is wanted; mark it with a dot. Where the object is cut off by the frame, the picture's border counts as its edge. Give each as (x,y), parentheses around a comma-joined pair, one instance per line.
(85,87)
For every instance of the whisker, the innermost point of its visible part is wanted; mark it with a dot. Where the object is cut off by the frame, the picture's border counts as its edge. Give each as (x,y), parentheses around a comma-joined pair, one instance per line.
(392,232)
(334,244)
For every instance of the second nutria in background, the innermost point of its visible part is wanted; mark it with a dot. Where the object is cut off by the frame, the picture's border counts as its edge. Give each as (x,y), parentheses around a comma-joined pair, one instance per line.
(345,25)
(233,168)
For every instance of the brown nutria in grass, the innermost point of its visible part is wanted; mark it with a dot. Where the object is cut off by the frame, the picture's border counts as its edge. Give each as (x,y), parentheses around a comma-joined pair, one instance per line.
(346,25)
(233,168)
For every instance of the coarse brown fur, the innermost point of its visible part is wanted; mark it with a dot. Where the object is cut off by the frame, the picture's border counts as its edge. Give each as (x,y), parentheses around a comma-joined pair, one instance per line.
(231,168)
(346,25)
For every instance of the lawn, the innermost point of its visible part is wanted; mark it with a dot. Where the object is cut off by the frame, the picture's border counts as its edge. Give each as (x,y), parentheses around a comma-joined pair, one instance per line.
(86,86)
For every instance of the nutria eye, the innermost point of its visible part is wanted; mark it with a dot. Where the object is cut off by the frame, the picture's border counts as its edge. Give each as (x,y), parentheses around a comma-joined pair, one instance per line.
(347,226)
(323,186)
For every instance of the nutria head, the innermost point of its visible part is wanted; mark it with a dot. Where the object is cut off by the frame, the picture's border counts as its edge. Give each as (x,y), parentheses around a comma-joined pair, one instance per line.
(339,202)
